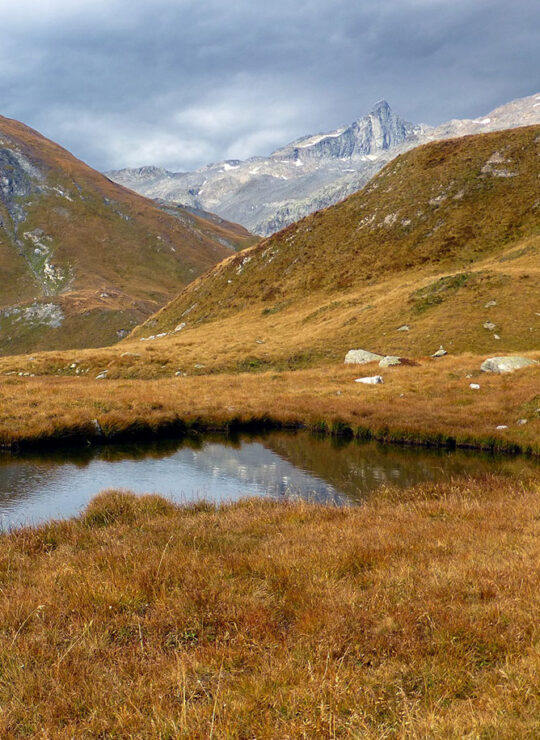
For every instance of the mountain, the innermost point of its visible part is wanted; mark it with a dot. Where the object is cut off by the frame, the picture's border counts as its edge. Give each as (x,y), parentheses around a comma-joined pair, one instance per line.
(267,193)
(441,247)
(83,260)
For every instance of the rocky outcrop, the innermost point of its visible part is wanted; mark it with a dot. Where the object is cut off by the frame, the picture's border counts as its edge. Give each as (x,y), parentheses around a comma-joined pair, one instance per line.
(266,194)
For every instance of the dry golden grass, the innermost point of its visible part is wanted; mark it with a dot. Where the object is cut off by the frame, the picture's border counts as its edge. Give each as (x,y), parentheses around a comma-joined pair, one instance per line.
(431,402)
(413,616)
(440,210)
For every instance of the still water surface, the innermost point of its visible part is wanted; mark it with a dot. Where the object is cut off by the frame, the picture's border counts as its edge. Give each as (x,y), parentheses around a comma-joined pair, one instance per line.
(38,487)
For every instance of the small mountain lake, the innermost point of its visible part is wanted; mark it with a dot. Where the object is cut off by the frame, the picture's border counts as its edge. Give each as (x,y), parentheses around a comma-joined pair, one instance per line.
(38,487)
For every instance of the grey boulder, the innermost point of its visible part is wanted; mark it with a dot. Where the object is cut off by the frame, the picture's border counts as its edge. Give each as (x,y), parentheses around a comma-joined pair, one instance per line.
(361,357)
(390,360)
(505,364)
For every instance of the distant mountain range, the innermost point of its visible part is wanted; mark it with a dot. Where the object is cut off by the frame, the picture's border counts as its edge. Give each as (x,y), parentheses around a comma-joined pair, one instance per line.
(267,193)
(83,260)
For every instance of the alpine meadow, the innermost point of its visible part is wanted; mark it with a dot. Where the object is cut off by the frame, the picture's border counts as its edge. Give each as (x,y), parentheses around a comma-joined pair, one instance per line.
(269,422)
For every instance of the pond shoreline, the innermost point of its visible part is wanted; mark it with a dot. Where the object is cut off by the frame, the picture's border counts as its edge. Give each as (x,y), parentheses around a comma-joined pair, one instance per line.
(92,434)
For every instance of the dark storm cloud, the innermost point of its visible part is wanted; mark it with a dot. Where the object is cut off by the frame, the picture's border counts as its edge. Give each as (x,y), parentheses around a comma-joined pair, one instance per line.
(183,82)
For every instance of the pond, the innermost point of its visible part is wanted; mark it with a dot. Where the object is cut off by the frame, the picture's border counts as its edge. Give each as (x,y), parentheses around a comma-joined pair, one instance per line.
(38,487)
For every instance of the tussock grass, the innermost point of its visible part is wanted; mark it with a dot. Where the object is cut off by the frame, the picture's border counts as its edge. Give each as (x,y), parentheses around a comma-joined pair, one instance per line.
(431,403)
(415,615)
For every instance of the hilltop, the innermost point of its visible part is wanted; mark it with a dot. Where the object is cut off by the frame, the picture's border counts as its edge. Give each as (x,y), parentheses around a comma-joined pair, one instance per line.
(267,193)
(83,260)
(442,247)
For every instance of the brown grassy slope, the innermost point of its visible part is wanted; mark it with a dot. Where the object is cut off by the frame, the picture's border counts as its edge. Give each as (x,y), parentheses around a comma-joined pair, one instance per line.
(415,615)
(429,403)
(440,232)
(100,238)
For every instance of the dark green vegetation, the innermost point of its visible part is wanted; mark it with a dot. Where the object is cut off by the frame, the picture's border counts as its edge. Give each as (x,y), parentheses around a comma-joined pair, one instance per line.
(82,259)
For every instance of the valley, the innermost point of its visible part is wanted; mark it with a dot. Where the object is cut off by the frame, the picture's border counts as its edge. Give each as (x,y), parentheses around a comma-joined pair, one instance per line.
(330,557)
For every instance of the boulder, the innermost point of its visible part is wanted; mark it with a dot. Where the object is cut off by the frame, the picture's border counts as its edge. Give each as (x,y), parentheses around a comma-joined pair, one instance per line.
(361,357)
(390,360)
(505,364)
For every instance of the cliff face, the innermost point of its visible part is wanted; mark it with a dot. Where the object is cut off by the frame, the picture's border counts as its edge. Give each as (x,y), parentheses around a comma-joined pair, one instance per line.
(267,193)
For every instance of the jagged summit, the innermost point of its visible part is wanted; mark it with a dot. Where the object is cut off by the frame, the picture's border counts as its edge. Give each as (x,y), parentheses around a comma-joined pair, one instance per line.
(315,171)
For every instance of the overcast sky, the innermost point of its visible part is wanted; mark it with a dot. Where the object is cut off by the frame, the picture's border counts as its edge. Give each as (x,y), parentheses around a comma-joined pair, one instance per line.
(180,83)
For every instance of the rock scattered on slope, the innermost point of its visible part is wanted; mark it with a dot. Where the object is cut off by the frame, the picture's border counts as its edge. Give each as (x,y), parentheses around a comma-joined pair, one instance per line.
(390,360)
(373,380)
(441,352)
(505,364)
(361,357)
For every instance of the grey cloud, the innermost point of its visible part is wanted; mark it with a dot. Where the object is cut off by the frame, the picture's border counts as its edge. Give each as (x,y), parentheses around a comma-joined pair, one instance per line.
(180,82)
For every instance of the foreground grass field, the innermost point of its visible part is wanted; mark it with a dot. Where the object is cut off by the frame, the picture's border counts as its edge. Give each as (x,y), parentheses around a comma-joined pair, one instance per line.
(415,615)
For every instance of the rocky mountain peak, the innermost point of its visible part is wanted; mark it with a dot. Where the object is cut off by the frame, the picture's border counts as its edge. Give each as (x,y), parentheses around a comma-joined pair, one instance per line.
(267,193)
(381,107)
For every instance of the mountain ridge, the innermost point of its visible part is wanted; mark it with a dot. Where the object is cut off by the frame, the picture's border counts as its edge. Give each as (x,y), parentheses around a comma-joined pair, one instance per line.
(315,171)
(84,259)
(441,247)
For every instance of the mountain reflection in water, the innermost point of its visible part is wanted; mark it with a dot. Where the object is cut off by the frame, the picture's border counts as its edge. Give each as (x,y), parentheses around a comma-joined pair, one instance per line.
(38,487)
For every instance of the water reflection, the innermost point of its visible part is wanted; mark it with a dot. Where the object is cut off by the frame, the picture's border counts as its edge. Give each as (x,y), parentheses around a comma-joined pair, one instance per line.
(34,488)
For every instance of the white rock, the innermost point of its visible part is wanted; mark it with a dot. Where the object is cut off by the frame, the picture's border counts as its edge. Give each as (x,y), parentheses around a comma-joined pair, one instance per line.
(373,380)
(474,386)
(390,360)
(405,327)
(441,352)
(502,426)
(180,326)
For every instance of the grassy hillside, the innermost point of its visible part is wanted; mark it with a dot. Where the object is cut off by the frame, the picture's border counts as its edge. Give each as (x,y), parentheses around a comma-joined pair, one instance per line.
(82,259)
(443,241)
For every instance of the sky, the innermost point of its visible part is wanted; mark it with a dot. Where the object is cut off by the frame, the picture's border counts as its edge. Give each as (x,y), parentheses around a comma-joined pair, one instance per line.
(181,83)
